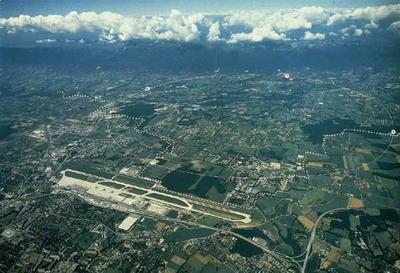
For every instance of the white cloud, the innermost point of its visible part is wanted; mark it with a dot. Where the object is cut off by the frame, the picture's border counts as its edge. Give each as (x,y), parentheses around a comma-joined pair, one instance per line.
(313,36)
(272,26)
(352,30)
(254,26)
(367,13)
(257,35)
(395,27)
(371,25)
(110,26)
(358,32)
(214,32)
(46,41)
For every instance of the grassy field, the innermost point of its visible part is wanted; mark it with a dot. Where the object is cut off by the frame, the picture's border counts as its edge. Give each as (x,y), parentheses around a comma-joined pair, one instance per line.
(86,167)
(136,191)
(218,212)
(112,185)
(167,199)
(134,181)
(184,234)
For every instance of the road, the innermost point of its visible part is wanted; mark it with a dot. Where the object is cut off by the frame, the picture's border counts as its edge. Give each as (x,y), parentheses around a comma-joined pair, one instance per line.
(310,242)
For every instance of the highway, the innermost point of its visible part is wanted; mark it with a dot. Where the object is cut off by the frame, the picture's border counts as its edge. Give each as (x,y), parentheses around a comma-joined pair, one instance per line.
(314,229)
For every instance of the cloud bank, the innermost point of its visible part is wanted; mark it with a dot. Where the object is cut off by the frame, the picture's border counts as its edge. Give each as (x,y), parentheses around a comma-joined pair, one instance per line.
(251,26)
(368,13)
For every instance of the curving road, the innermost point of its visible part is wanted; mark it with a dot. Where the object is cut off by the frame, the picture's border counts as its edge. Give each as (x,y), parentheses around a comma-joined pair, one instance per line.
(310,242)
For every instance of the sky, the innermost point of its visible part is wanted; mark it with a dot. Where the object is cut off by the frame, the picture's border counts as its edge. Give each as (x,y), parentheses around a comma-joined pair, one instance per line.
(10,8)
